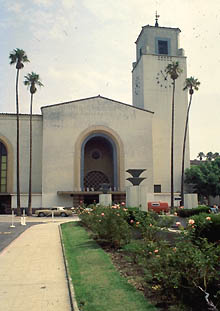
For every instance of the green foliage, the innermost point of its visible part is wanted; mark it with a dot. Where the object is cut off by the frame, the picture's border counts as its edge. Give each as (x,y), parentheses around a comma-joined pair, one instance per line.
(191,84)
(205,177)
(32,80)
(178,270)
(206,226)
(108,224)
(185,212)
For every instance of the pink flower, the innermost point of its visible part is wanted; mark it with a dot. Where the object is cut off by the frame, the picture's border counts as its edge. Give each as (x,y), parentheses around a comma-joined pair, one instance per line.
(178,223)
(208,218)
(150,253)
(156,251)
(122,203)
(113,206)
(181,206)
(102,214)
(125,209)
(150,225)
(131,221)
(191,221)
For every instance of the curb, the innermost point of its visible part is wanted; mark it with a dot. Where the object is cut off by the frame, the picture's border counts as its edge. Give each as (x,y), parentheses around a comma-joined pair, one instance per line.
(72,296)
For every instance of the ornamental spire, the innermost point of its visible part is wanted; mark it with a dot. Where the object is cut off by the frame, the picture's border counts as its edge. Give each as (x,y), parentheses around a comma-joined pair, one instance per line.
(156,19)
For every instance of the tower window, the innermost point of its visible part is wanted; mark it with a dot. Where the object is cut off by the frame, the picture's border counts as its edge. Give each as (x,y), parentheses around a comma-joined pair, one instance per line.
(162,47)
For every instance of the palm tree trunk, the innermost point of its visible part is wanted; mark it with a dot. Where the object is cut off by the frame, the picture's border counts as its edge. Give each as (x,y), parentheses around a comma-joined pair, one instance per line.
(18,144)
(172,142)
(30,165)
(184,148)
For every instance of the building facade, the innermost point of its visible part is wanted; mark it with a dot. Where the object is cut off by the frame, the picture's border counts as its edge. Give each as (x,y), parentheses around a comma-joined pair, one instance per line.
(81,144)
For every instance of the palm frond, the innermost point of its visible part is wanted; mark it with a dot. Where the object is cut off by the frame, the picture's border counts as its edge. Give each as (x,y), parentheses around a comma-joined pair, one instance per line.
(191,83)
(174,70)
(32,79)
(18,55)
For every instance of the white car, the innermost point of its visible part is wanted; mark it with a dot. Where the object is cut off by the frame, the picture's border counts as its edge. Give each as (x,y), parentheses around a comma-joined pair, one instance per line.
(57,211)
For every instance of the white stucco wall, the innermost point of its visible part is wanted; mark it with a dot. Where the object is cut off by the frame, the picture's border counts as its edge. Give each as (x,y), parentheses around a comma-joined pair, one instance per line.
(64,123)
(8,131)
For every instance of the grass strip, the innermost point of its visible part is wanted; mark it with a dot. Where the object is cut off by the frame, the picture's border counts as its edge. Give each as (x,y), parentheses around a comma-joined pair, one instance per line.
(98,285)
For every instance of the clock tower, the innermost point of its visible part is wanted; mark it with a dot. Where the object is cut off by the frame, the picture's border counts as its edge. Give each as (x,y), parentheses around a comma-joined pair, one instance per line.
(156,47)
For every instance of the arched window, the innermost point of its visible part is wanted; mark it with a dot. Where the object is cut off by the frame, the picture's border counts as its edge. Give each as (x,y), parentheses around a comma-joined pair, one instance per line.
(3,168)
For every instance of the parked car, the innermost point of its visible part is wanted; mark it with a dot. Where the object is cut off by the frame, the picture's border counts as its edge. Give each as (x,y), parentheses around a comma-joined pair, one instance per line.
(158,207)
(57,211)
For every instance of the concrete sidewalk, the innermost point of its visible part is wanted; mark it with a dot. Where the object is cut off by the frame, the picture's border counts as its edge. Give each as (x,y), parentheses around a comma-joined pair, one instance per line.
(32,272)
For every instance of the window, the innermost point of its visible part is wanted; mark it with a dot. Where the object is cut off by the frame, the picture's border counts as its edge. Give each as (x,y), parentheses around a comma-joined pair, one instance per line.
(157,188)
(162,47)
(3,168)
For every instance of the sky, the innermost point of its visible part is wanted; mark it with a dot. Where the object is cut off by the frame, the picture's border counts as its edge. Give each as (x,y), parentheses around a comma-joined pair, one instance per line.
(83,48)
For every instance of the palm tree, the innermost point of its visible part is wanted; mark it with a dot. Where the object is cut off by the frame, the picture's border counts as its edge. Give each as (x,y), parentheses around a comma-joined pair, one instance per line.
(173,70)
(201,155)
(18,57)
(191,84)
(31,80)
(209,156)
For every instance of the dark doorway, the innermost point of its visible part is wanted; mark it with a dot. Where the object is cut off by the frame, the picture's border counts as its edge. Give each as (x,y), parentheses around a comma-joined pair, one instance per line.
(91,199)
(5,204)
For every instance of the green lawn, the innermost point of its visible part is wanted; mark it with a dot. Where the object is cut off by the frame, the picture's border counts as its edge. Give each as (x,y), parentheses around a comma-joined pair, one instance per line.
(98,285)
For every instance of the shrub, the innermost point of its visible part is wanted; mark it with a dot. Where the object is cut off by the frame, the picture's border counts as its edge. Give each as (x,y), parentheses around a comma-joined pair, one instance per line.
(108,224)
(180,270)
(184,212)
(146,223)
(206,226)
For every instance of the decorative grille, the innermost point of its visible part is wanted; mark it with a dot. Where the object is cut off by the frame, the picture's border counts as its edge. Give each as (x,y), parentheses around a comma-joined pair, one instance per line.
(94,180)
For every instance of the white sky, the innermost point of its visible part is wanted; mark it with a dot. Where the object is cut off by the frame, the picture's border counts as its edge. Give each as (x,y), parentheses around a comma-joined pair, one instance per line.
(82,48)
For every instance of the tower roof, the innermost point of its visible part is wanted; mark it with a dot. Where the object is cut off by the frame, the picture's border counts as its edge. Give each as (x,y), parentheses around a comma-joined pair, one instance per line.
(156,27)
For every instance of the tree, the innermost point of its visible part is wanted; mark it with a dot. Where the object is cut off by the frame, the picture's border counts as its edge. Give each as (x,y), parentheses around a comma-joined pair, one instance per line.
(205,178)
(201,155)
(191,84)
(174,71)
(31,80)
(18,57)
(209,156)
(216,155)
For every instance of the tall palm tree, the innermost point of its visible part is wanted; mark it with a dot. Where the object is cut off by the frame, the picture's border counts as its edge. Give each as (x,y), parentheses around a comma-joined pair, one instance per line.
(191,84)
(18,57)
(201,155)
(173,70)
(31,80)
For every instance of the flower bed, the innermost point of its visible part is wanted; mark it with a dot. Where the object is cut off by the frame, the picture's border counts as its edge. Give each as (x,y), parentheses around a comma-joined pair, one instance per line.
(188,267)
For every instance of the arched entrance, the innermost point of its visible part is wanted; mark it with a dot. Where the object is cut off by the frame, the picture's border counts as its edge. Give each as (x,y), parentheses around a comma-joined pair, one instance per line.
(98,162)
